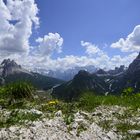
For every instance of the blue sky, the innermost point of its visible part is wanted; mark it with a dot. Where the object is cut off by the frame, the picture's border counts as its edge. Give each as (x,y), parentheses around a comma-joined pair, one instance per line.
(62,34)
(98,21)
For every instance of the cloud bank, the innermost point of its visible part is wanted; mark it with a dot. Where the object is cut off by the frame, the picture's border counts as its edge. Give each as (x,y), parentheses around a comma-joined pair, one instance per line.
(16,29)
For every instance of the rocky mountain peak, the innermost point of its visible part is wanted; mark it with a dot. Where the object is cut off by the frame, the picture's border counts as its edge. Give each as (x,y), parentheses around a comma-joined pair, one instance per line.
(135,65)
(117,70)
(83,73)
(138,57)
(101,71)
(9,63)
(9,67)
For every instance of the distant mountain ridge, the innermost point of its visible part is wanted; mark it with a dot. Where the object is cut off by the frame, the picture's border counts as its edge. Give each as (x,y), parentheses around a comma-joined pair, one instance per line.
(102,82)
(10,71)
(67,74)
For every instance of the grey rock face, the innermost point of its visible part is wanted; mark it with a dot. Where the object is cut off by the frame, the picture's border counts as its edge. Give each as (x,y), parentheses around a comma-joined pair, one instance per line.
(135,65)
(8,67)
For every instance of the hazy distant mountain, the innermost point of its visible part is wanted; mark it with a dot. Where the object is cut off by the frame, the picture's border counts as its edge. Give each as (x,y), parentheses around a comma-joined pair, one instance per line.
(101,71)
(102,82)
(68,74)
(117,70)
(10,71)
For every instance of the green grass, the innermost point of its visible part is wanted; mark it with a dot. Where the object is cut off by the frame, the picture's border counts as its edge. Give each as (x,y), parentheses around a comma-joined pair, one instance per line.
(125,126)
(20,90)
(16,92)
(89,101)
(68,118)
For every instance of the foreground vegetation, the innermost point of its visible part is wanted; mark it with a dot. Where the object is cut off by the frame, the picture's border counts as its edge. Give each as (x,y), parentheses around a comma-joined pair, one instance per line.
(19,100)
(88,101)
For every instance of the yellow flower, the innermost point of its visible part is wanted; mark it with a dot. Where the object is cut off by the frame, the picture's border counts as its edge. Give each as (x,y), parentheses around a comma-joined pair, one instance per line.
(53,102)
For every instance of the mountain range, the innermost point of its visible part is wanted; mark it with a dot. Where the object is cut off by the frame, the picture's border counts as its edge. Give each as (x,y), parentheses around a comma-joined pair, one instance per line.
(98,81)
(67,74)
(101,82)
(10,71)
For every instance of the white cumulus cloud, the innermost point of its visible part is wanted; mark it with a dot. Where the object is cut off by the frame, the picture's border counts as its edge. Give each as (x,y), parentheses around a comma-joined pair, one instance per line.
(131,43)
(16,22)
(50,43)
(91,49)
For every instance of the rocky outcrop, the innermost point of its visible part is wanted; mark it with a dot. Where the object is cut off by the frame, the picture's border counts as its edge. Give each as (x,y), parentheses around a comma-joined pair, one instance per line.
(101,124)
(117,70)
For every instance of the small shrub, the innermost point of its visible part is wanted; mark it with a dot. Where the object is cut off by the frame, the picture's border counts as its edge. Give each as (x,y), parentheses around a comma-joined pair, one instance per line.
(48,108)
(2,102)
(69,118)
(127,92)
(19,90)
(80,129)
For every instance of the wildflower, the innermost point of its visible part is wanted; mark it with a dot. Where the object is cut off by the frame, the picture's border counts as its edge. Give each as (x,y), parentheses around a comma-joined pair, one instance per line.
(53,102)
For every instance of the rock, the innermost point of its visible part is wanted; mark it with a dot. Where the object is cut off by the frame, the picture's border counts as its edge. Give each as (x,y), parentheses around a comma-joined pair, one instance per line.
(134,132)
(85,114)
(112,135)
(74,125)
(33,130)
(34,111)
(12,129)
(97,114)
(59,113)
(78,116)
